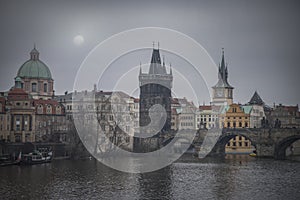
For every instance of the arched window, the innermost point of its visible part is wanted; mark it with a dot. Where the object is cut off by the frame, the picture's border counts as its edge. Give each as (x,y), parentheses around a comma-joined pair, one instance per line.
(34,87)
(45,87)
(228,124)
(40,109)
(240,124)
(58,110)
(49,109)
(246,124)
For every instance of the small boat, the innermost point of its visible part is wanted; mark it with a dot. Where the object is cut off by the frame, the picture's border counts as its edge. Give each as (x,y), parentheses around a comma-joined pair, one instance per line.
(36,157)
(252,154)
(6,160)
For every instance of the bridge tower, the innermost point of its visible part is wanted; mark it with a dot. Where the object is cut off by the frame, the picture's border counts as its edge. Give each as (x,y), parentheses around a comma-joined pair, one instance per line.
(155,88)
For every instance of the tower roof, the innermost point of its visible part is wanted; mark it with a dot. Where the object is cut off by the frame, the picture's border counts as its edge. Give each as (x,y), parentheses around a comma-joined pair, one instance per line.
(256,100)
(223,74)
(155,66)
(34,68)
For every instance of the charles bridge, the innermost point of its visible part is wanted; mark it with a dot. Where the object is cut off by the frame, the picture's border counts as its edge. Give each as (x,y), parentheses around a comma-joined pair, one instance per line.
(269,142)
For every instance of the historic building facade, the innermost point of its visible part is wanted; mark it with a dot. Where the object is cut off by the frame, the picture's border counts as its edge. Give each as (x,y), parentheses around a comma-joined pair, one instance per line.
(236,116)
(28,112)
(155,88)
(283,116)
(222,91)
(114,112)
(183,114)
(257,113)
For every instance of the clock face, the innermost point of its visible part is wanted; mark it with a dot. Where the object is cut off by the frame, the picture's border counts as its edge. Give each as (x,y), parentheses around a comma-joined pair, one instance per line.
(219,93)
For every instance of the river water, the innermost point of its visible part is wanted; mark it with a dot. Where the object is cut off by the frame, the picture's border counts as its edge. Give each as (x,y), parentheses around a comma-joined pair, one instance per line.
(235,177)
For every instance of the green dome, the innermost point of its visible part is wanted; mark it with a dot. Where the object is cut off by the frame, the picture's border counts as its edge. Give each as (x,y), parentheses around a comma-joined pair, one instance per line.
(34,68)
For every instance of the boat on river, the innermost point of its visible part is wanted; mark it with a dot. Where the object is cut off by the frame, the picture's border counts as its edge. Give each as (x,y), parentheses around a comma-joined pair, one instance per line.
(36,157)
(253,154)
(6,160)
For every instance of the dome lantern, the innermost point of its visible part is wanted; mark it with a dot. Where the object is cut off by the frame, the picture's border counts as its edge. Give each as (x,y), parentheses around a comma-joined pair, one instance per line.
(34,54)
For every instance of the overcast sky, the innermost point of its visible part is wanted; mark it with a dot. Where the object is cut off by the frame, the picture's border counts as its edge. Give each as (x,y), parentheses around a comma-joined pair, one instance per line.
(261,38)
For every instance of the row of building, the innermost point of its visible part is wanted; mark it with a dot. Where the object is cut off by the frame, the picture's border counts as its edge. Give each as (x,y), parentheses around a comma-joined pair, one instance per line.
(31,112)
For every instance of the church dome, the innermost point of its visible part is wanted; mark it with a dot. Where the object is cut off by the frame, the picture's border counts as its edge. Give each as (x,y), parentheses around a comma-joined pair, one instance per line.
(34,68)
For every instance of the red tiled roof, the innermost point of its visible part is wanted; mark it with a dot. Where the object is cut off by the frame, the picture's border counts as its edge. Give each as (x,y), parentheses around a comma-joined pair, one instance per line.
(173,111)
(17,93)
(205,107)
(48,101)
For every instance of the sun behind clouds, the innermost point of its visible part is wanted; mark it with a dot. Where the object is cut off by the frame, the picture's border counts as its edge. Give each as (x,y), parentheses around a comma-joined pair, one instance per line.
(78,40)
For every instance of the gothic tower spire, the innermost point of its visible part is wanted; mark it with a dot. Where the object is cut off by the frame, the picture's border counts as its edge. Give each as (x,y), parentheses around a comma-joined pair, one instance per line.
(223,91)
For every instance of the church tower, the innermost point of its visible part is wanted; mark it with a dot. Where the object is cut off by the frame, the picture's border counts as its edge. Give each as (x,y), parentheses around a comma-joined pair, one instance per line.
(155,88)
(222,91)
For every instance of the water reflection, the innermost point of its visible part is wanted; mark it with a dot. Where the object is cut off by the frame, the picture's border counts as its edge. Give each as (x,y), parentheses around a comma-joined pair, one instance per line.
(158,183)
(235,177)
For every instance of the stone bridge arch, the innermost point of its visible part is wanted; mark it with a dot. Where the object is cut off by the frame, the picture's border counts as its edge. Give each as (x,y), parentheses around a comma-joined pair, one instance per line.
(227,135)
(281,146)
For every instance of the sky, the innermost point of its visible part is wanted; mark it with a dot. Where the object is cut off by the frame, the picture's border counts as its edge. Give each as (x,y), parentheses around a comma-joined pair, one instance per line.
(260,37)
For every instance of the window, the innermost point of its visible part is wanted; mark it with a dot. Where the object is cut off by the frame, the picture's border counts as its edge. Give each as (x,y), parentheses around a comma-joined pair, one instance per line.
(40,109)
(58,110)
(49,109)
(17,138)
(246,124)
(17,124)
(127,129)
(45,87)
(34,87)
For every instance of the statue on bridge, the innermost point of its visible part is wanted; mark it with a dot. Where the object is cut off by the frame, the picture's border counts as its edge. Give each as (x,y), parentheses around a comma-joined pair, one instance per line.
(265,123)
(277,123)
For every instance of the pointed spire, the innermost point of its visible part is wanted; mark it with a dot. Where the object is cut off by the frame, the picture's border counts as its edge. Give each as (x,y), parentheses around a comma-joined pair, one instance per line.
(222,68)
(141,68)
(256,99)
(155,66)
(223,73)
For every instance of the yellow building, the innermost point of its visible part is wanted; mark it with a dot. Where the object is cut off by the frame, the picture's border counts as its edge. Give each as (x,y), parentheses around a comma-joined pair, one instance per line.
(236,116)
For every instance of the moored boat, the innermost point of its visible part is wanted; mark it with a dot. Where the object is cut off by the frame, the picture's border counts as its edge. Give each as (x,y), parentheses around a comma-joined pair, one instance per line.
(253,154)
(36,157)
(6,160)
